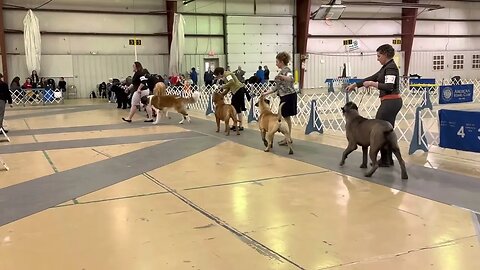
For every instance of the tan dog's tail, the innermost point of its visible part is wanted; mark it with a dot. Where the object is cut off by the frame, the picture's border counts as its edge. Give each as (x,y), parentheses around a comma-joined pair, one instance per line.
(194,98)
(280,112)
(160,89)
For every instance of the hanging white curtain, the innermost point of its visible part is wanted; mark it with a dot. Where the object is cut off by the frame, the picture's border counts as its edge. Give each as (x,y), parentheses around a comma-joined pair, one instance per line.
(33,42)
(177,47)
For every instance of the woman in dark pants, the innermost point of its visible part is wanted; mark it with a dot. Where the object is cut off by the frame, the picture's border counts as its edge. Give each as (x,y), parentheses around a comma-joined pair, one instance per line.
(387,81)
(233,85)
(284,89)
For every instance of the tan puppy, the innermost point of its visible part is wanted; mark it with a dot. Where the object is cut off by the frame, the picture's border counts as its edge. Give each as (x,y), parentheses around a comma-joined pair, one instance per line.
(224,112)
(161,104)
(270,123)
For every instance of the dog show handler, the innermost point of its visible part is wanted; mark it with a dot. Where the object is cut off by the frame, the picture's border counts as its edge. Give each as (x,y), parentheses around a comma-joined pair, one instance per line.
(284,89)
(232,84)
(387,81)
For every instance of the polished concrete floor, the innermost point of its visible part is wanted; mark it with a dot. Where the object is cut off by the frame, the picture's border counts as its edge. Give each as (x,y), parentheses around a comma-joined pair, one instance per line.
(88,191)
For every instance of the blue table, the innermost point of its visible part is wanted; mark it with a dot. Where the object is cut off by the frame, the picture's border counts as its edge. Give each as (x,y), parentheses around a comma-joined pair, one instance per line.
(422,81)
(347,80)
(344,80)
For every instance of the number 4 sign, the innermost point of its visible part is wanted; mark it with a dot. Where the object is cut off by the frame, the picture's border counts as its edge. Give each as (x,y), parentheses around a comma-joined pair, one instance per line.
(460,130)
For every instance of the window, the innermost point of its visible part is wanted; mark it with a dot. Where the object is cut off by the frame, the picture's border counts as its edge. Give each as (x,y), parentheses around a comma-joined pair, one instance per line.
(458,61)
(438,62)
(476,61)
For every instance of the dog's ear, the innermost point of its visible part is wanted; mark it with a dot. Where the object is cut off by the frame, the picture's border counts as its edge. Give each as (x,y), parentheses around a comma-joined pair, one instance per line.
(350,106)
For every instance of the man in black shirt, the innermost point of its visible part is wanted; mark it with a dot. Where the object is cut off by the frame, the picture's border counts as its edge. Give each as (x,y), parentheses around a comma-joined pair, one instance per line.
(208,77)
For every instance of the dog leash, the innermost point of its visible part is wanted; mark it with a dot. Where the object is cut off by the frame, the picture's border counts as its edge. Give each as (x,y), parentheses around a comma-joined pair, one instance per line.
(364,92)
(361,99)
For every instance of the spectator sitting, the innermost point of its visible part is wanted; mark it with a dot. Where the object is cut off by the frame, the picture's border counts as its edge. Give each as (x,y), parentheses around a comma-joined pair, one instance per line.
(28,89)
(15,84)
(42,83)
(27,84)
(62,84)
(50,83)
(15,87)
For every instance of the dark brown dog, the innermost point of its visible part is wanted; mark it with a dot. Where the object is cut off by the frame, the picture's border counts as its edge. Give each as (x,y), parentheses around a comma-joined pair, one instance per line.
(270,123)
(224,112)
(373,133)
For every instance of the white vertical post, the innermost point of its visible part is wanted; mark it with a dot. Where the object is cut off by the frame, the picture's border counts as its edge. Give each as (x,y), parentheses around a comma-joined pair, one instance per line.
(135,48)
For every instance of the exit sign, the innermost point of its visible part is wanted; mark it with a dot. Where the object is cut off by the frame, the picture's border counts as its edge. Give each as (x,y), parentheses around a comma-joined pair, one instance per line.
(133,41)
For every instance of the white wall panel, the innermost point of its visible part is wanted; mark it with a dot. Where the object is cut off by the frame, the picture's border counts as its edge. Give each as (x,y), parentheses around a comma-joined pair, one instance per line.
(363,11)
(89,70)
(348,27)
(203,24)
(275,7)
(254,41)
(259,38)
(263,29)
(335,45)
(442,44)
(259,20)
(240,7)
(116,5)
(422,64)
(321,67)
(447,28)
(257,47)
(244,7)
(203,6)
(89,22)
(75,44)
(203,45)
(452,10)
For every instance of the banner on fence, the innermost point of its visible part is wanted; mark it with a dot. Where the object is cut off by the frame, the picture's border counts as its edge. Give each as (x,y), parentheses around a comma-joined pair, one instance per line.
(460,130)
(456,93)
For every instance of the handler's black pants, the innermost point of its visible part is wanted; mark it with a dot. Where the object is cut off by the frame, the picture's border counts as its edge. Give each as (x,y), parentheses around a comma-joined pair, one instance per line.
(388,111)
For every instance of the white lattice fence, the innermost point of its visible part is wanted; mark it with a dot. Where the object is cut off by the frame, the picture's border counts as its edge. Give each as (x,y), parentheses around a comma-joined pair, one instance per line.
(329,106)
(37,96)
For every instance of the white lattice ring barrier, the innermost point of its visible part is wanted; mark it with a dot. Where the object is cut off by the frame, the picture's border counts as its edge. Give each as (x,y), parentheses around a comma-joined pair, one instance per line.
(328,106)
